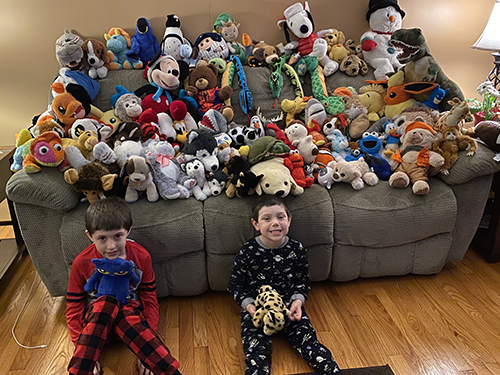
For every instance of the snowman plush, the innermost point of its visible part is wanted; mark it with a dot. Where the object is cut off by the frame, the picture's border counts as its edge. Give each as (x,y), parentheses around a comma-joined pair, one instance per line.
(385,17)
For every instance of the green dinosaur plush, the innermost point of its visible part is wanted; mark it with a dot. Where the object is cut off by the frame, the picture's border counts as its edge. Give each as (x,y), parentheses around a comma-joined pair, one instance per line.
(421,65)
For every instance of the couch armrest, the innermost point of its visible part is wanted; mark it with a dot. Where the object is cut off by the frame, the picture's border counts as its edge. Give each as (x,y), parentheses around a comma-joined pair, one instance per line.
(46,188)
(467,168)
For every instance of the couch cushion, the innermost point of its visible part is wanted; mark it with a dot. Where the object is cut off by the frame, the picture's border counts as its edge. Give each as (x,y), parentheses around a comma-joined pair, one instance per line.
(228,227)
(167,229)
(469,167)
(381,216)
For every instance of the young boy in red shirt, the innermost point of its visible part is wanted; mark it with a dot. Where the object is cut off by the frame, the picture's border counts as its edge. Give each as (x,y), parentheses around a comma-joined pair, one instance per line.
(93,321)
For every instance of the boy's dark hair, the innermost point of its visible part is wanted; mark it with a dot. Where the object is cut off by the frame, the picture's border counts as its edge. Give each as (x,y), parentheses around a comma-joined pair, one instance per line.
(267,201)
(108,214)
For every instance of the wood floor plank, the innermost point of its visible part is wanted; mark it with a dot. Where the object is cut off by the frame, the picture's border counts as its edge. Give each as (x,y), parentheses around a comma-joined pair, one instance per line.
(444,324)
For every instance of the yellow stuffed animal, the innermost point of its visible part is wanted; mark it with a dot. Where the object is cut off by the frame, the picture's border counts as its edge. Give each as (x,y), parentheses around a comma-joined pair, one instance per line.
(271,311)
(336,50)
(372,96)
(85,142)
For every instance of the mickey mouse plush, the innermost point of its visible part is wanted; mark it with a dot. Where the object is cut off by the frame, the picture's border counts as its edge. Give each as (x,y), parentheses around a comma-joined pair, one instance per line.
(165,75)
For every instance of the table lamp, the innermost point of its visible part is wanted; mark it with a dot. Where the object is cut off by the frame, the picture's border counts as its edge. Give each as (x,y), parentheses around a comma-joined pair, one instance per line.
(490,41)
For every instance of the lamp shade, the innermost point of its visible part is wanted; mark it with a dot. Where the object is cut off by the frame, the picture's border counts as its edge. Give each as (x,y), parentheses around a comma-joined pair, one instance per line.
(490,38)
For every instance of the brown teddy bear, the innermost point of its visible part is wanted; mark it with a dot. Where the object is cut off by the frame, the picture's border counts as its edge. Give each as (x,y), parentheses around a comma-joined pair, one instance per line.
(203,88)
(415,158)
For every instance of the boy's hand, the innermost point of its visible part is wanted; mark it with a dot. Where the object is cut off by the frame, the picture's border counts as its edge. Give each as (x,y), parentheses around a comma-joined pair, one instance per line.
(143,370)
(251,309)
(296,310)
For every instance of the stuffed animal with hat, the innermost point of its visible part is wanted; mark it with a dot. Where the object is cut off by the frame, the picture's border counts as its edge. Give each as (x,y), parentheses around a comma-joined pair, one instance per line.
(127,105)
(118,42)
(226,26)
(415,158)
(211,46)
(143,45)
(297,19)
(384,17)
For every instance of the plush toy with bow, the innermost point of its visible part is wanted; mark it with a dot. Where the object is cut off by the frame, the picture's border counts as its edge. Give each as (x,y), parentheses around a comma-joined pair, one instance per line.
(112,277)
(297,18)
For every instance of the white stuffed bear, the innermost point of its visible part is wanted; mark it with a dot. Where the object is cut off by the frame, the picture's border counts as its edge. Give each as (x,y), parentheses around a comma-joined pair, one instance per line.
(385,17)
(356,172)
(296,133)
(297,18)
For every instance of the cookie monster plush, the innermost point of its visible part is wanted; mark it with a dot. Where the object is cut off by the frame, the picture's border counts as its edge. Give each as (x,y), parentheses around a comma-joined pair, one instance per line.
(112,277)
(143,44)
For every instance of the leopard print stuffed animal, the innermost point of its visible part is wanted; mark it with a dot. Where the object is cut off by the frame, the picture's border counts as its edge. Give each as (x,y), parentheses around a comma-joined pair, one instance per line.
(271,311)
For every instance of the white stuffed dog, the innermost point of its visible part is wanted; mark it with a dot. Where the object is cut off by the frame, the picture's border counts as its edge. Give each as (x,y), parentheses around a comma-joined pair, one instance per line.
(298,19)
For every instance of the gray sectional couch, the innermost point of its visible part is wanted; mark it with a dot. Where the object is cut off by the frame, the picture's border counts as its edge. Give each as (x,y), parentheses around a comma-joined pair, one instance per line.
(378,231)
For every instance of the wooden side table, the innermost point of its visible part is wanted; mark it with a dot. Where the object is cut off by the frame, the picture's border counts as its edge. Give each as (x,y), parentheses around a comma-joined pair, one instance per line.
(487,240)
(9,248)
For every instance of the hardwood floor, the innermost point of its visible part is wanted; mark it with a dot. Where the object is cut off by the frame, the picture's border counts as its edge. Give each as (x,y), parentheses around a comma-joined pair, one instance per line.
(443,324)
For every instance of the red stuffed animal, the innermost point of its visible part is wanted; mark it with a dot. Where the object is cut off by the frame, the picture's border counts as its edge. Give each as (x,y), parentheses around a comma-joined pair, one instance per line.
(295,163)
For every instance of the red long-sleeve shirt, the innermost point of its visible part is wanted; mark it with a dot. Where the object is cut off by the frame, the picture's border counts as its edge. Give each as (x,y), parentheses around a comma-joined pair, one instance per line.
(82,268)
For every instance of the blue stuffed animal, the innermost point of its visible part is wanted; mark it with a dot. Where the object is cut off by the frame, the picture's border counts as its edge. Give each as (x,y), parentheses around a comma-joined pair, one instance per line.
(112,277)
(118,42)
(143,44)
(437,95)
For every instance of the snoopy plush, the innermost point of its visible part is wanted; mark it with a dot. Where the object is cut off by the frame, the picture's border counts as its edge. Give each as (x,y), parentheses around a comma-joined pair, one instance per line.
(298,19)
(385,17)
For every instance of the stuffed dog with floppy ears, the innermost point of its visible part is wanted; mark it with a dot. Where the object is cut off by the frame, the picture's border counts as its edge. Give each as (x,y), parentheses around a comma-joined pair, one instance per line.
(140,172)
(297,18)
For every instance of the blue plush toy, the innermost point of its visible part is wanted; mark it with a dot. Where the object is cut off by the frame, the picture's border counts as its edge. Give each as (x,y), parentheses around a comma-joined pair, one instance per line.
(437,95)
(112,277)
(143,44)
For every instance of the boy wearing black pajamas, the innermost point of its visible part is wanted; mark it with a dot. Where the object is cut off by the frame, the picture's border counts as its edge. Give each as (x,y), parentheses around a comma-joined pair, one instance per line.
(275,259)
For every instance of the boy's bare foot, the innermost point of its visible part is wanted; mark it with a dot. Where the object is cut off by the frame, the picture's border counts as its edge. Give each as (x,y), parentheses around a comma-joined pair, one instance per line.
(97,369)
(143,370)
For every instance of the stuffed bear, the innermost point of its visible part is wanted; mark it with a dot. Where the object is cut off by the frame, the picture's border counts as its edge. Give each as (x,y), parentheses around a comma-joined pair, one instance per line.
(203,87)
(271,311)
(415,158)
(112,277)
(356,172)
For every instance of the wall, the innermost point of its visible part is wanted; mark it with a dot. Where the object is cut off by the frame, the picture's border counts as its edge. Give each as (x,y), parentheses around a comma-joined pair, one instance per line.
(29,30)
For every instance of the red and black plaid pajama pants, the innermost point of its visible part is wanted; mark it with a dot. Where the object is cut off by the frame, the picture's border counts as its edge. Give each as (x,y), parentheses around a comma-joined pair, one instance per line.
(105,317)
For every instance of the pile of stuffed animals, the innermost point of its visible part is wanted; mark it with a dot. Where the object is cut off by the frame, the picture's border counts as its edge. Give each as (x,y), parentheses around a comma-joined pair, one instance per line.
(175,137)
